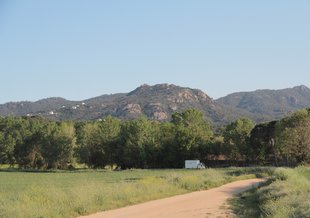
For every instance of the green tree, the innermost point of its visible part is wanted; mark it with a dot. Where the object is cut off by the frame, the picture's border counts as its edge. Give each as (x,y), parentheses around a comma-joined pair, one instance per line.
(14,131)
(214,150)
(3,150)
(292,137)
(45,144)
(90,150)
(28,151)
(169,152)
(191,132)
(98,142)
(57,145)
(136,136)
(110,129)
(236,136)
(261,143)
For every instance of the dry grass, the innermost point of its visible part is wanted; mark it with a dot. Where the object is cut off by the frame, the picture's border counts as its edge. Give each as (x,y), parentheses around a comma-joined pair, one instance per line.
(71,194)
(286,196)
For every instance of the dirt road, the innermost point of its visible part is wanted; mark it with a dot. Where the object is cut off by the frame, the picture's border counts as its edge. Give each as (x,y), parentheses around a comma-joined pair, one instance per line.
(201,204)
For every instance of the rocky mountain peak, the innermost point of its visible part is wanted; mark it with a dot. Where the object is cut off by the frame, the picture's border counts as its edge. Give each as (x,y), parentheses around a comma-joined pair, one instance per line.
(302,88)
(146,89)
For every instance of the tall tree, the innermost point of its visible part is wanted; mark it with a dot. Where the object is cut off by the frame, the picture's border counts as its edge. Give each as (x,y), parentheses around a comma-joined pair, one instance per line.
(14,132)
(135,135)
(57,145)
(169,154)
(28,152)
(261,146)
(98,142)
(293,137)
(110,129)
(91,150)
(191,132)
(236,136)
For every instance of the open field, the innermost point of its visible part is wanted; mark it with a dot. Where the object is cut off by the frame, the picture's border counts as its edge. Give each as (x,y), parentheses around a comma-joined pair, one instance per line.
(71,194)
(286,195)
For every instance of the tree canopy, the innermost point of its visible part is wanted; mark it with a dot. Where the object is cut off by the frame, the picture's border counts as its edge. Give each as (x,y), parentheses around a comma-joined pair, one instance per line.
(38,143)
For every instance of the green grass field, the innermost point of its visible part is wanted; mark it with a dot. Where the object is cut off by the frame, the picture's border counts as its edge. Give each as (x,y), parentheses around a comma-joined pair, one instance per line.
(71,194)
(285,195)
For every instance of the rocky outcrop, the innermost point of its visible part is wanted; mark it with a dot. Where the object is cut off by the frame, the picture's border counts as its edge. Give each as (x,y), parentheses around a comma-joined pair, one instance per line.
(160,101)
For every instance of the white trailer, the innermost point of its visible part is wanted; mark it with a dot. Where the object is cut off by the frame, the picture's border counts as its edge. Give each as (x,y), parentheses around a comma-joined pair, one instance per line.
(194,164)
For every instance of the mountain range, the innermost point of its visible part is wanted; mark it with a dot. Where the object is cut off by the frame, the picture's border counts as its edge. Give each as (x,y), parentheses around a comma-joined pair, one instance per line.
(160,101)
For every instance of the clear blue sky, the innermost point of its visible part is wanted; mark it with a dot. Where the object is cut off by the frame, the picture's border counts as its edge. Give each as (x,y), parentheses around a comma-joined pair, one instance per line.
(79,49)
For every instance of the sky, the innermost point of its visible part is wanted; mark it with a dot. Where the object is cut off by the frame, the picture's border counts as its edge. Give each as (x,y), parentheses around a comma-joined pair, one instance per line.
(79,49)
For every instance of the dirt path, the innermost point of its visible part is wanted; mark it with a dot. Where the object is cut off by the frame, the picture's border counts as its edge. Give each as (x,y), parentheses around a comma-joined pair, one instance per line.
(201,204)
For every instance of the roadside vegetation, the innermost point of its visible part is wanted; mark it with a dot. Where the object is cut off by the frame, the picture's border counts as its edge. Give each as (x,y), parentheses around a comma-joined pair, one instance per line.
(71,194)
(285,195)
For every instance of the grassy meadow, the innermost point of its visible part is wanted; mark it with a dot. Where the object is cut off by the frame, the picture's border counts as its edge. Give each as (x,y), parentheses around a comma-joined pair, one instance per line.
(286,195)
(75,193)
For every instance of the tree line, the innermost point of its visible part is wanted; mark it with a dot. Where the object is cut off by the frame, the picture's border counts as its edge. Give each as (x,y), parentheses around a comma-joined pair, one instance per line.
(38,143)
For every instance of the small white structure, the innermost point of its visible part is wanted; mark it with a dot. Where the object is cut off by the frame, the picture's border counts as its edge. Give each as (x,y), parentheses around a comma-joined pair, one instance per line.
(194,164)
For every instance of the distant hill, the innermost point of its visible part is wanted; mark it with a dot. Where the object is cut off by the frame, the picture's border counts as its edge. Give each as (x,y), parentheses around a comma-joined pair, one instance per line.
(158,102)
(272,104)
(155,102)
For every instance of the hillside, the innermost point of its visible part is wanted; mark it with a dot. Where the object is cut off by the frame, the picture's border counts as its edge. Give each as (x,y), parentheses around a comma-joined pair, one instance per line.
(158,102)
(155,102)
(273,104)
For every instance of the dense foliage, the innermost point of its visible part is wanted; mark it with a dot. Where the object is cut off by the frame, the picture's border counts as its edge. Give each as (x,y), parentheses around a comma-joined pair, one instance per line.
(38,143)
